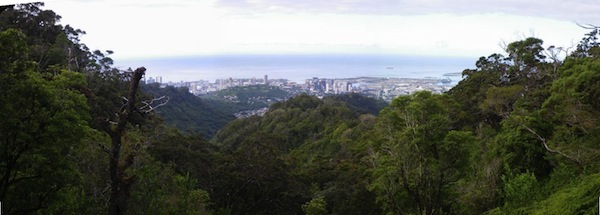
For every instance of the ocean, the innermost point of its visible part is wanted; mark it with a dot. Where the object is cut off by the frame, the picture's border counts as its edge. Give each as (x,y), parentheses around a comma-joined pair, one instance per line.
(298,68)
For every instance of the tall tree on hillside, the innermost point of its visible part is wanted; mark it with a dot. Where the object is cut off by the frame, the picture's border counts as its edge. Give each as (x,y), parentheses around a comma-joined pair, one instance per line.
(567,124)
(418,155)
(43,67)
(51,44)
(490,91)
(44,117)
(589,46)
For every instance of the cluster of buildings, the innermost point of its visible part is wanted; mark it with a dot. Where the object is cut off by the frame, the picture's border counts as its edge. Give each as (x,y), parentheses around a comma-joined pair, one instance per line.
(383,88)
(152,80)
(328,86)
(201,87)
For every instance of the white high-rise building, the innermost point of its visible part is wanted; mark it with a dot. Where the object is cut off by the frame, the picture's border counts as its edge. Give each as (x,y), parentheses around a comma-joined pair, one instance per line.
(150,80)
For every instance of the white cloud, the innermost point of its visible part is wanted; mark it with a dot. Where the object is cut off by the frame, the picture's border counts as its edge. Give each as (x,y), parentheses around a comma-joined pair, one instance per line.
(151,28)
(426,27)
(584,11)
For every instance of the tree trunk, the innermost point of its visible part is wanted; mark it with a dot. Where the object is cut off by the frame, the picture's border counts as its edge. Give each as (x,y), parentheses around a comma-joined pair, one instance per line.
(120,183)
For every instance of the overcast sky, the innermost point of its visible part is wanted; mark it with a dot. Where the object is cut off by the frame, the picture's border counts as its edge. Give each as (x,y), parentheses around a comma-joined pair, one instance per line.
(470,28)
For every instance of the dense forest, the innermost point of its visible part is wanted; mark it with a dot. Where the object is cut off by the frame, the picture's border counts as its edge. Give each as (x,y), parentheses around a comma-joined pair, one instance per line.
(190,114)
(518,135)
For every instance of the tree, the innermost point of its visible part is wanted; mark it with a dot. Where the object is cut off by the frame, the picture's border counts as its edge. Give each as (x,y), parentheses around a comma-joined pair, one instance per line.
(43,119)
(589,46)
(120,181)
(51,44)
(190,113)
(526,53)
(500,100)
(420,155)
(255,179)
(489,92)
(316,206)
(567,123)
(472,90)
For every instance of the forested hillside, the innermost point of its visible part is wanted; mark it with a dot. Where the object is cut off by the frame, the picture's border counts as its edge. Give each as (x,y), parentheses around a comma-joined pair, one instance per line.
(518,135)
(191,114)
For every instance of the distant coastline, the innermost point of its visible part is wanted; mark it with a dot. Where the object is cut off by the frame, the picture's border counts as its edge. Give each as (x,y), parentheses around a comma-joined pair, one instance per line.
(453,74)
(299,68)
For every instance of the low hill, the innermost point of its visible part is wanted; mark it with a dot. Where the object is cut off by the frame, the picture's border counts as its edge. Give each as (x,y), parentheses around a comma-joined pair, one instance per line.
(301,117)
(309,146)
(243,98)
(187,112)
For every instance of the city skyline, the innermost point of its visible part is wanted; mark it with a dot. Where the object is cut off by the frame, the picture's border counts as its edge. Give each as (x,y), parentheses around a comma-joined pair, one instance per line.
(385,88)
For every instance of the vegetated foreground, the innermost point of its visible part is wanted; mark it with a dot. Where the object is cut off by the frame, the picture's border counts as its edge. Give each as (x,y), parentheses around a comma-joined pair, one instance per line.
(519,134)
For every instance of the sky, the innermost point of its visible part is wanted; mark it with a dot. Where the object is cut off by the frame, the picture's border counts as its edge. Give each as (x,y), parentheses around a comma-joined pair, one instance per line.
(137,29)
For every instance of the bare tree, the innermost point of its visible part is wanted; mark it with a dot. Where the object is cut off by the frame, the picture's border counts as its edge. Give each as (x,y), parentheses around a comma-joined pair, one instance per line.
(120,182)
(556,56)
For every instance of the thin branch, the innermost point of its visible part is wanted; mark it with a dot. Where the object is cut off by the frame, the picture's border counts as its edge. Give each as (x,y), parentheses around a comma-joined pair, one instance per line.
(13,181)
(574,160)
(588,26)
(149,105)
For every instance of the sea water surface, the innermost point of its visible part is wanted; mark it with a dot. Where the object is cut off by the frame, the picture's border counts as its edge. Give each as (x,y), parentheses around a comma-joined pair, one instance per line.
(298,68)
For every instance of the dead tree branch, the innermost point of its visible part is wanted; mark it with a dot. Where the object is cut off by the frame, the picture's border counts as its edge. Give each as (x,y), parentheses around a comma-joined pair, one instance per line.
(120,182)
(588,26)
(152,104)
(545,144)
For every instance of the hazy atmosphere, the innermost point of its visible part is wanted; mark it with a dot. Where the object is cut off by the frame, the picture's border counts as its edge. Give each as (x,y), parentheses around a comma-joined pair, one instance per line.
(471,28)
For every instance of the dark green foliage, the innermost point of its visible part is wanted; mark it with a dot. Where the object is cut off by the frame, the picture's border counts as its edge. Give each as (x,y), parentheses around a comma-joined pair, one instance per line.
(418,155)
(255,179)
(471,91)
(527,52)
(43,121)
(163,191)
(246,94)
(520,190)
(51,155)
(302,102)
(236,99)
(519,135)
(316,140)
(588,46)
(300,119)
(542,119)
(191,155)
(50,44)
(316,206)
(588,84)
(14,51)
(189,113)
(363,104)
(579,197)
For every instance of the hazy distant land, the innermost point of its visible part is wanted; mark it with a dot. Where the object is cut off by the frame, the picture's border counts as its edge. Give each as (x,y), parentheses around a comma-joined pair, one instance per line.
(298,68)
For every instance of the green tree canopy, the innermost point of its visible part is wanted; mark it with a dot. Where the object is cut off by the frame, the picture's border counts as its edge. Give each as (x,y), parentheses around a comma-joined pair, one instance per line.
(418,154)
(44,118)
